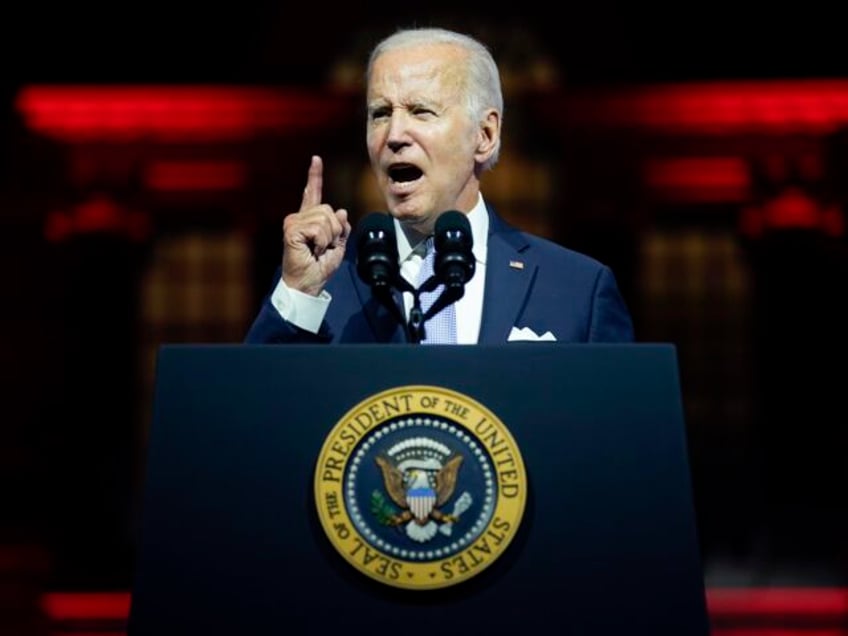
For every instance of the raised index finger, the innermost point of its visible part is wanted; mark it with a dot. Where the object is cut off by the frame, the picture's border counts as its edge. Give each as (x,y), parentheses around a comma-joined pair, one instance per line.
(312,193)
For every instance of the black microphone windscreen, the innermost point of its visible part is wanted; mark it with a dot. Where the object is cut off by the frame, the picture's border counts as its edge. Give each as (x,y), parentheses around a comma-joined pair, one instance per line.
(377,255)
(453,225)
(375,222)
(453,240)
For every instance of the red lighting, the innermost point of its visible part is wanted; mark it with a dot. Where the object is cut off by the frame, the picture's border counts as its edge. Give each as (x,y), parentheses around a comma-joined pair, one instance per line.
(820,603)
(701,179)
(733,611)
(772,107)
(195,175)
(174,113)
(792,209)
(84,606)
(100,213)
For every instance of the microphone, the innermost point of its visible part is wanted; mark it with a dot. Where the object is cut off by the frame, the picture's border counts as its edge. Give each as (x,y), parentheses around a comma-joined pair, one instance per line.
(454,264)
(377,265)
(377,260)
(377,255)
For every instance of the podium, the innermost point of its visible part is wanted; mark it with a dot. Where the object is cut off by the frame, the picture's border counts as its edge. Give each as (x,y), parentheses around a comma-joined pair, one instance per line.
(515,489)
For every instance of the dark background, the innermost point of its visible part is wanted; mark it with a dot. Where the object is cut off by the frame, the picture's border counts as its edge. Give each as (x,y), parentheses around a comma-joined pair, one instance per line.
(280,42)
(64,443)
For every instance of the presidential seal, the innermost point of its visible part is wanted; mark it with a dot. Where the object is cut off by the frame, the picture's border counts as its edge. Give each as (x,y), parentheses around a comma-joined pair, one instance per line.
(420,487)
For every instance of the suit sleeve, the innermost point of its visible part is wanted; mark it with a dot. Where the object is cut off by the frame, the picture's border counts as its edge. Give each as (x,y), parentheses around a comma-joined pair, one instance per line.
(610,319)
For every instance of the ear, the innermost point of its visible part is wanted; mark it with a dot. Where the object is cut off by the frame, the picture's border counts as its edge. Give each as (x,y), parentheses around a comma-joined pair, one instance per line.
(489,134)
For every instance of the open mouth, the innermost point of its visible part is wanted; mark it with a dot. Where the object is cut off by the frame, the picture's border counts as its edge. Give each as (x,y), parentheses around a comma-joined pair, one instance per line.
(404,173)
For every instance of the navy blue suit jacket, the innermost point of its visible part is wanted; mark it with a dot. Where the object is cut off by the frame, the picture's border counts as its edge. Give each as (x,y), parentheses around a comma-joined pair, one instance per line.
(559,290)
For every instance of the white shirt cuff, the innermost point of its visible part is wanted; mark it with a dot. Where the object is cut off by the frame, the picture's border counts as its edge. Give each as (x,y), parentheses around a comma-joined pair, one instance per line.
(302,310)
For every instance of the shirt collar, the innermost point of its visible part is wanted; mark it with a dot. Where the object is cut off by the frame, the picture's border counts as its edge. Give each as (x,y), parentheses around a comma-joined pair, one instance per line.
(479,220)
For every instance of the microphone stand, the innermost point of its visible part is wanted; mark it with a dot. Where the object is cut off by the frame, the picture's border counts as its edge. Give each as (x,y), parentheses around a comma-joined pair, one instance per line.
(377,265)
(415,326)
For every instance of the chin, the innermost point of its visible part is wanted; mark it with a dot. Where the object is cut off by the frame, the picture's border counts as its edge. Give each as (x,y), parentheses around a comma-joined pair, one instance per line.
(415,221)
(406,212)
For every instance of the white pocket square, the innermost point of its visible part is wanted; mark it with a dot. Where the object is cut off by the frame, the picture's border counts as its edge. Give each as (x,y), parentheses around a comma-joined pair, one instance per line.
(526,333)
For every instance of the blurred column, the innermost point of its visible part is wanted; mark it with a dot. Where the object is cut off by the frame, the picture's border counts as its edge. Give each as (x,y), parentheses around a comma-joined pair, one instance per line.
(795,236)
(30,176)
(98,255)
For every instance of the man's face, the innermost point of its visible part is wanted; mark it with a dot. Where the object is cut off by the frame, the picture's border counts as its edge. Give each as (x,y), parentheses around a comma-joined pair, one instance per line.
(421,141)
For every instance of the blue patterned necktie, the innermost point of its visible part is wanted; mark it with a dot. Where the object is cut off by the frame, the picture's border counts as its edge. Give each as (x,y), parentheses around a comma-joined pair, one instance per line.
(441,328)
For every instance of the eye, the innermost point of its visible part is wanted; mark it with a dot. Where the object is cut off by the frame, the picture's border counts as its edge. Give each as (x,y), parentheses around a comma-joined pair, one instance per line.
(380,113)
(422,111)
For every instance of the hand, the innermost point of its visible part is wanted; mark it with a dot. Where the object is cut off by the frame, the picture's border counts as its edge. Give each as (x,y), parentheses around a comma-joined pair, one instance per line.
(314,237)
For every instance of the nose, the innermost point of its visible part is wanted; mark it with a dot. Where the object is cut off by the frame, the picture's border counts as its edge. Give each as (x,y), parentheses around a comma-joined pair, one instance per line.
(398,133)
(395,145)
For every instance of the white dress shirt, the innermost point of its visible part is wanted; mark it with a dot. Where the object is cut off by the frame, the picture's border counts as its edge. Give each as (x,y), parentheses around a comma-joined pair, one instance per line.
(307,312)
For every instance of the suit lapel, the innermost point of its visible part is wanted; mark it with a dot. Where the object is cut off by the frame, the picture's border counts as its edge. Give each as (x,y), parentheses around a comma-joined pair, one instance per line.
(384,326)
(510,269)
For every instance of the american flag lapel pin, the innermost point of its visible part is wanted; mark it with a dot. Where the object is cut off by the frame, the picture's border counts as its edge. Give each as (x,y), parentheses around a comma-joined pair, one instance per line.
(516,264)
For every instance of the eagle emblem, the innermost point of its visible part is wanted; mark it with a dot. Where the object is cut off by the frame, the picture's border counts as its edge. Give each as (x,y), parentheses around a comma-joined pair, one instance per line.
(420,477)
